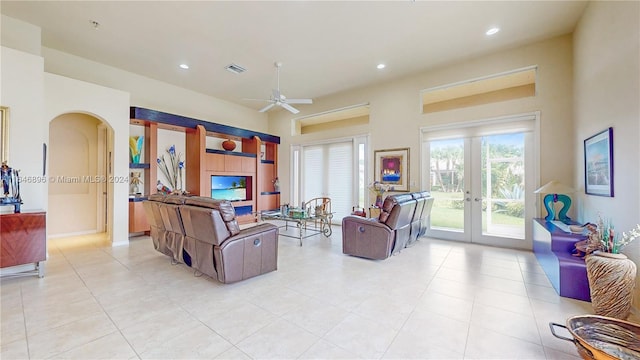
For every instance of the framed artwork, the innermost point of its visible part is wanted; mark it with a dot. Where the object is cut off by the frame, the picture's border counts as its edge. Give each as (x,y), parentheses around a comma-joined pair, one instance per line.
(4,134)
(598,164)
(392,168)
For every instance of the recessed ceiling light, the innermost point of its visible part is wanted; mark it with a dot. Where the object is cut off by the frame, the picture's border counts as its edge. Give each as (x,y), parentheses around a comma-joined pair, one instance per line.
(184,66)
(492,31)
(381,66)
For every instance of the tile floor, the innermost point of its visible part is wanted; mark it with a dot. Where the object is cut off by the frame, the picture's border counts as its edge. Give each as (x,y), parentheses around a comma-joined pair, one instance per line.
(436,300)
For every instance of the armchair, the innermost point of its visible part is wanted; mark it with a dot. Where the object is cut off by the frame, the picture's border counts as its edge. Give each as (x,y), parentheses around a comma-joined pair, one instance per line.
(379,238)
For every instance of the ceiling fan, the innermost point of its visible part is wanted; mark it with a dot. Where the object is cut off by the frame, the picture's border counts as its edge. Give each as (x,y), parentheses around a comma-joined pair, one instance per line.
(278,99)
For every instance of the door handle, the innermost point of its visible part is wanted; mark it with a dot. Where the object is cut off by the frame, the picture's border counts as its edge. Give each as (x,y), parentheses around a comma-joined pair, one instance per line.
(477,199)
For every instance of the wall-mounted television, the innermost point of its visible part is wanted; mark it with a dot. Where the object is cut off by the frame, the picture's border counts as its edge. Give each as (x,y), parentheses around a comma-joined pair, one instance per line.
(232,188)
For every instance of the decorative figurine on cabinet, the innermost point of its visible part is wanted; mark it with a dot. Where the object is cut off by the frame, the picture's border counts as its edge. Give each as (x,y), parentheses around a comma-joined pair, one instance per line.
(10,181)
(135,182)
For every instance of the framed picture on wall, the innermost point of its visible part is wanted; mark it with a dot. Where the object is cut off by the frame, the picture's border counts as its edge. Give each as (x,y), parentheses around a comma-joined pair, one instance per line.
(392,168)
(598,164)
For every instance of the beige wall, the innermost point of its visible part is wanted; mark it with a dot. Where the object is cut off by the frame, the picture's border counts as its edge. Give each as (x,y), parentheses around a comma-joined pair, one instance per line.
(64,95)
(607,83)
(19,35)
(153,94)
(23,92)
(395,111)
(73,156)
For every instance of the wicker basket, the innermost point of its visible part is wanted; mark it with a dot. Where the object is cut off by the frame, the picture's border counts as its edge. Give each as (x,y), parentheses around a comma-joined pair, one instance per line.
(600,337)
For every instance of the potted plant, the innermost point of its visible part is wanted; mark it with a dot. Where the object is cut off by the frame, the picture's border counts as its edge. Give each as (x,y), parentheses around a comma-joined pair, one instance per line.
(611,274)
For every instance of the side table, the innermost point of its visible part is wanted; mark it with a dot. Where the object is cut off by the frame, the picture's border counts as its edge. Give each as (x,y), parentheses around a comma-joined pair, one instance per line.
(23,240)
(374,212)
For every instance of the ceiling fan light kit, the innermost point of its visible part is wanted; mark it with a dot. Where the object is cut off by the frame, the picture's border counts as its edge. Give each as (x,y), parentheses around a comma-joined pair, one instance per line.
(278,99)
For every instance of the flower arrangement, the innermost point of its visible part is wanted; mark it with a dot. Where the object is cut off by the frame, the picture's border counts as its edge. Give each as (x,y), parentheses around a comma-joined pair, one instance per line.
(172,169)
(604,237)
(379,189)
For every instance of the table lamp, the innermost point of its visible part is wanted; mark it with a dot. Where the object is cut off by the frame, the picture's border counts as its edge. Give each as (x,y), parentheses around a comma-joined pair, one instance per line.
(555,192)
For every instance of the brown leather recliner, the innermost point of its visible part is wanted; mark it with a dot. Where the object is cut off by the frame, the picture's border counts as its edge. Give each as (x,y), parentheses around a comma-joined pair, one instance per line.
(170,213)
(157,229)
(420,221)
(379,238)
(207,237)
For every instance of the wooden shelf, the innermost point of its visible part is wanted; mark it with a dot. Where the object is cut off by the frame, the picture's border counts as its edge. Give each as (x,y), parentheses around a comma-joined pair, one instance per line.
(139,166)
(201,163)
(232,153)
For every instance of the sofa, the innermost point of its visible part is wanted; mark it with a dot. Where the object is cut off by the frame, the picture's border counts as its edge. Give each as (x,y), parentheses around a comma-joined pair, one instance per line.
(403,219)
(203,233)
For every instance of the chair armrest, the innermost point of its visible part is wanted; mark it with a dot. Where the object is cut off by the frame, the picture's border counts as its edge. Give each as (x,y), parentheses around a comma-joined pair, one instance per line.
(364,221)
(366,238)
(252,231)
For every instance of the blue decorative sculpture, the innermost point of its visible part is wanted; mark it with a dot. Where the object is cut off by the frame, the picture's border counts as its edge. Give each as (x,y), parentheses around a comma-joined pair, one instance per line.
(549,201)
(554,191)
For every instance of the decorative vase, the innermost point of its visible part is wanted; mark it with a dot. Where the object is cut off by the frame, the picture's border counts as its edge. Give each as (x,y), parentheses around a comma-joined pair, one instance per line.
(229,145)
(612,278)
(135,148)
(378,201)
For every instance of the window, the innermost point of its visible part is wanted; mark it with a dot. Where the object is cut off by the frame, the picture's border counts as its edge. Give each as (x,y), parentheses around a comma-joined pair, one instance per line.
(335,169)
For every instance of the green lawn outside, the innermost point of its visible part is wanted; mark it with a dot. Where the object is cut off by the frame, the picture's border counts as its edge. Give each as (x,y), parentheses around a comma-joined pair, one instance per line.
(452,218)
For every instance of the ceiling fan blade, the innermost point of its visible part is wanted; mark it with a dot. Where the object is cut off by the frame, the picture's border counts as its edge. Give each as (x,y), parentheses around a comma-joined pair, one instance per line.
(290,108)
(267,100)
(268,107)
(299,101)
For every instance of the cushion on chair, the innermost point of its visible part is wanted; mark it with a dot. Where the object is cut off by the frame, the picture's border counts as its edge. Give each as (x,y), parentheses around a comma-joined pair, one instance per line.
(225,208)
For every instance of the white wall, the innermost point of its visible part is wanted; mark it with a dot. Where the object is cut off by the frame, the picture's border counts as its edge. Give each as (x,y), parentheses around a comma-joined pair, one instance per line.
(607,83)
(73,160)
(19,35)
(153,94)
(395,110)
(64,95)
(23,92)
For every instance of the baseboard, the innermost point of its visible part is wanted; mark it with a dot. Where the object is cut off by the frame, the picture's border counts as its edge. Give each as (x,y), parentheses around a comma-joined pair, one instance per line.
(79,233)
(120,243)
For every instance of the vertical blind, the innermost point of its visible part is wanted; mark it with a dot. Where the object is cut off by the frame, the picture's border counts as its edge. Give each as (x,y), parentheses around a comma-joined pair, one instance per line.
(328,171)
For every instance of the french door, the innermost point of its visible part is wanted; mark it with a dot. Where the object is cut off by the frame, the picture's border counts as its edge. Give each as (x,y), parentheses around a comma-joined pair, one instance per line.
(482,179)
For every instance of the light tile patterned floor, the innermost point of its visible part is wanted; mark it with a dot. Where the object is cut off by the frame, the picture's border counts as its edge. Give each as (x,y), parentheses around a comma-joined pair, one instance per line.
(435,300)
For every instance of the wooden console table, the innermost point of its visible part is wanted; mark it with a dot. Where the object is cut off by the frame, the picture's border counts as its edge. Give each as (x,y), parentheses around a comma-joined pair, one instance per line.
(23,241)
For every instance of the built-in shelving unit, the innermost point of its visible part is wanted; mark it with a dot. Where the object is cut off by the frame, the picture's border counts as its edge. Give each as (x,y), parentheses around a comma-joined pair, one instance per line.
(256,159)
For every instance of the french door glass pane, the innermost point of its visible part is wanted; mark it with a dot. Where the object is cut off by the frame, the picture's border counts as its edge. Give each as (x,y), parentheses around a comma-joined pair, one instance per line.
(503,190)
(447,184)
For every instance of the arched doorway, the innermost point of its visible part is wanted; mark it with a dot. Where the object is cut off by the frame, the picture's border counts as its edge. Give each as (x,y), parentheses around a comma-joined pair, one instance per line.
(79,167)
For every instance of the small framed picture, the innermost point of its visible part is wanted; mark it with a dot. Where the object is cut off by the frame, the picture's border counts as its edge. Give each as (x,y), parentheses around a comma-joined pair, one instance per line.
(598,164)
(392,168)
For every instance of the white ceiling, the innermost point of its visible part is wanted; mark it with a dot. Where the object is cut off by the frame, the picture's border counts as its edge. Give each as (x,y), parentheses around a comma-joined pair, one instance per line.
(325,46)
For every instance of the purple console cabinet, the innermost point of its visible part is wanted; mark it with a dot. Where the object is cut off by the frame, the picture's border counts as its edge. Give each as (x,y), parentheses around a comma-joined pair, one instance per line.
(567,273)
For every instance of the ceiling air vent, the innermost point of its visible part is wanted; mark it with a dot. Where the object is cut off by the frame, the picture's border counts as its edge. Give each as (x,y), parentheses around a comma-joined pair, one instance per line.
(235,68)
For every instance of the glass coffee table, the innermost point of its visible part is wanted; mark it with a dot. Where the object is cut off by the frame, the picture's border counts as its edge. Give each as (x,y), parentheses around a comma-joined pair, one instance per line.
(308,224)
